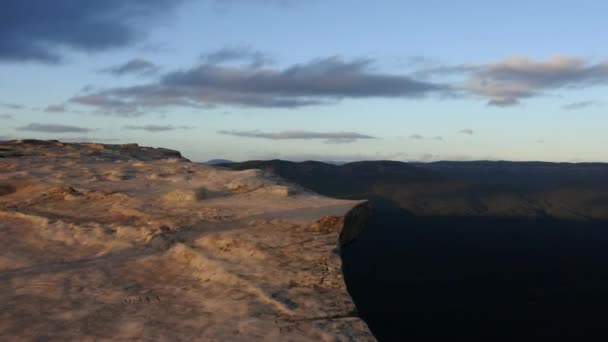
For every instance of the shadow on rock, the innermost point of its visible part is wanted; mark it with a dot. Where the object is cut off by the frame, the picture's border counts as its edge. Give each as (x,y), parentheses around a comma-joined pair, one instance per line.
(480,278)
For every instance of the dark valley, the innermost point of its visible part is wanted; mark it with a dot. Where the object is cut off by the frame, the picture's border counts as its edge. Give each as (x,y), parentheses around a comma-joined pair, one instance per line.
(495,251)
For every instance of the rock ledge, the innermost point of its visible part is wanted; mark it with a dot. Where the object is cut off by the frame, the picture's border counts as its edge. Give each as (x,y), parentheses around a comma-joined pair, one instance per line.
(126,242)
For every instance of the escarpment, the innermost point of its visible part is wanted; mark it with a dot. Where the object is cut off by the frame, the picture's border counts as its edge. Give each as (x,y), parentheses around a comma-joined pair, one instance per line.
(355,222)
(127,242)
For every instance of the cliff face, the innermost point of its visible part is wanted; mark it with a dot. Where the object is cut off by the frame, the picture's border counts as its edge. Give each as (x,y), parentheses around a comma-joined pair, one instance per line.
(124,242)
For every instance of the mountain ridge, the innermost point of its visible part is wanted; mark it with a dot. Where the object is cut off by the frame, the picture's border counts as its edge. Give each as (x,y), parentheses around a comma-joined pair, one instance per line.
(496,188)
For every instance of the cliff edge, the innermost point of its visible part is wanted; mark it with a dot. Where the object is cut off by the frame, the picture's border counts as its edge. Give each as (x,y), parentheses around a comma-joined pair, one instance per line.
(125,242)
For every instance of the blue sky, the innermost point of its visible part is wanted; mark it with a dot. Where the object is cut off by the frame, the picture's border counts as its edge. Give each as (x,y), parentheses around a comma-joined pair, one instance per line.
(328,80)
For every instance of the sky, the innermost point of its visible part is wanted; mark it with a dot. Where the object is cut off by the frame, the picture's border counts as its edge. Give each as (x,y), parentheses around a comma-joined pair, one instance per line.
(332,80)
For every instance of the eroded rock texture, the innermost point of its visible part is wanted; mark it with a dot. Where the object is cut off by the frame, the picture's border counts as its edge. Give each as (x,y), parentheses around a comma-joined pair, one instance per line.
(123,242)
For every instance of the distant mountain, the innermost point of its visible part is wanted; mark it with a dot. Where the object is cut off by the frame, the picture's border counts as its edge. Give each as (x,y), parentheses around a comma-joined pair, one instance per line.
(218,161)
(514,189)
(487,251)
(522,175)
(349,180)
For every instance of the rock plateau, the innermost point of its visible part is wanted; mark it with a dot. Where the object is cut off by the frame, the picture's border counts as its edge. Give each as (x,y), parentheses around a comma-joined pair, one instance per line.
(122,242)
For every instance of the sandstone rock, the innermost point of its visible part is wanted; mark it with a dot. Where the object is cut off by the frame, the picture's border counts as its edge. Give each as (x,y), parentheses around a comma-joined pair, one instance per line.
(180,196)
(327,224)
(278,190)
(6,189)
(92,248)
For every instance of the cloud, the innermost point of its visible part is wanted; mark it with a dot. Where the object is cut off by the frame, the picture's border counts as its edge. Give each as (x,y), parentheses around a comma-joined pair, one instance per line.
(56,108)
(108,105)
(320,81)
(580,105)
(225,4)
(12,106)
(253,82)
(6,117)
(34,30)
(135,66)
(156,48)
(467,131)
(421,137)
(328,137)
(252,58)
(507,82)
(341,140)
(156,128)
(53,128)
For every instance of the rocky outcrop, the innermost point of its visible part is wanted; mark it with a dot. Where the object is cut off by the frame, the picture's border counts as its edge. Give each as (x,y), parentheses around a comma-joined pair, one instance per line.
(126,242)
(84,151)
(355,222)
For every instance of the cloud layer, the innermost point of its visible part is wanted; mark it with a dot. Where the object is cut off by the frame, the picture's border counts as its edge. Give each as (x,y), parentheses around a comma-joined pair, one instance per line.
(156,128)
(137,66)
(217,81)
(507,82)
(53,128)
(580,105)
(55,108)
(320,81)
(35,30)
(240,54)
(467,131)
(421,137)
(328,137)
(12,106)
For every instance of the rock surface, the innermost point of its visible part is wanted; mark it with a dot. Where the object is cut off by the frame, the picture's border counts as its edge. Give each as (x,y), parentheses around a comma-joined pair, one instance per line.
(122,242)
